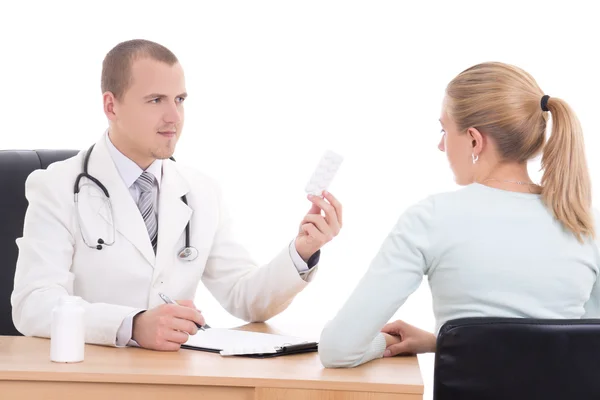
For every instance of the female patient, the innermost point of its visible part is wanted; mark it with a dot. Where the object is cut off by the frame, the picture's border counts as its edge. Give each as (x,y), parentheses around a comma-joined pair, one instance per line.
(501,246)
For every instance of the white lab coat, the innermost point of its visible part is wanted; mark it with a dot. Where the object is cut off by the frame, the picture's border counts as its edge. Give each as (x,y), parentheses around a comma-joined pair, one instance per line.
(114,282)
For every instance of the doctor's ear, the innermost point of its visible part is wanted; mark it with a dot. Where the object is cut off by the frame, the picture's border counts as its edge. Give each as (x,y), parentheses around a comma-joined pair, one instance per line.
(109,105)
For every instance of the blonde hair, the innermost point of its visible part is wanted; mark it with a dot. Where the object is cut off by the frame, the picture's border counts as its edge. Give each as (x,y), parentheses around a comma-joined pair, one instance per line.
(504,103)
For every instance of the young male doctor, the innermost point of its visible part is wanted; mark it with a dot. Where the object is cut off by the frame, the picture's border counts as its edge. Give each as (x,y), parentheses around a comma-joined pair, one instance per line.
(124,238)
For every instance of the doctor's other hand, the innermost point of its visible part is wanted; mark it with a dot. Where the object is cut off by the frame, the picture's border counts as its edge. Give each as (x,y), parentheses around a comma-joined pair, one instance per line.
(410,339)
(166,327)
(315,229)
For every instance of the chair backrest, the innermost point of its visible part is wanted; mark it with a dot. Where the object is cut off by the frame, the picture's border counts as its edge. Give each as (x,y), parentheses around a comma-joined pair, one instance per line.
(15,167)
(518,359)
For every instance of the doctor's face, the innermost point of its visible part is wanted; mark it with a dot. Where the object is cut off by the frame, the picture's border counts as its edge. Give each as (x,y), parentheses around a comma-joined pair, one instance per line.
(147,121)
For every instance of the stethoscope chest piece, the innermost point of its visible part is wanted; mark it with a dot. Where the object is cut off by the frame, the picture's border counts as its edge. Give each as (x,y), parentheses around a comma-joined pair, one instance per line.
(188,253)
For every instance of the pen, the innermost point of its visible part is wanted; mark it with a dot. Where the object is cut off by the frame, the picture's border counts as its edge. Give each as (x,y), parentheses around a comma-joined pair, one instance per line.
(168,300)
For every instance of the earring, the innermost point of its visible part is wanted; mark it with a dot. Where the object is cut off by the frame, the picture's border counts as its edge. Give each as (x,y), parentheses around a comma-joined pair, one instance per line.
(475,158)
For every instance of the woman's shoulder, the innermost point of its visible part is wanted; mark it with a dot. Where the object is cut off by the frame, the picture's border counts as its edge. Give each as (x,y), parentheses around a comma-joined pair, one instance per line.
(477,195)
(452,207)
(453,199)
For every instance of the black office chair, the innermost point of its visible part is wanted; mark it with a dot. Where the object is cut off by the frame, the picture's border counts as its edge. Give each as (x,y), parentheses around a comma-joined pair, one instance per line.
(517,359)
(15,167)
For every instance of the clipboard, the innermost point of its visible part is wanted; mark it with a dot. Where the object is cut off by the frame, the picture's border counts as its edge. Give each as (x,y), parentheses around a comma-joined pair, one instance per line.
(301,348)
(228,342)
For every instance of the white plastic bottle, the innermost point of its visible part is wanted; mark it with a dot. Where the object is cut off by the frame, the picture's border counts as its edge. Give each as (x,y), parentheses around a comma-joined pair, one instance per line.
(67,336)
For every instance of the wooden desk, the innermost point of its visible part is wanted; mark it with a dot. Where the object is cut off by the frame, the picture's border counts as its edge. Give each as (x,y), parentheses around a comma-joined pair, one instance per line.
(132,373)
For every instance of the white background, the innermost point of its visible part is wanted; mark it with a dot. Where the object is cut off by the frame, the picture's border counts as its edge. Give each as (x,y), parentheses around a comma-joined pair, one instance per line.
(273,84)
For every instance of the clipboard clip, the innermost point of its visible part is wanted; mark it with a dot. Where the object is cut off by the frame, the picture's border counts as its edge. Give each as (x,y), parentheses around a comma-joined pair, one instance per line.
(282,350)
(288,347)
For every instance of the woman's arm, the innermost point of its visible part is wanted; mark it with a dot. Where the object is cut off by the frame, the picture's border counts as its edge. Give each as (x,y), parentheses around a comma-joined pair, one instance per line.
(354,336)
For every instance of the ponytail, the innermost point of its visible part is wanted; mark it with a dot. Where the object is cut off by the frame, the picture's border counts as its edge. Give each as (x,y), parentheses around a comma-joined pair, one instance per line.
(566,187)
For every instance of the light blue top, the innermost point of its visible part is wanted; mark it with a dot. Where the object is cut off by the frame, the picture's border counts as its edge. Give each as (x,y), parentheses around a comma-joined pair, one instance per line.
(486,252)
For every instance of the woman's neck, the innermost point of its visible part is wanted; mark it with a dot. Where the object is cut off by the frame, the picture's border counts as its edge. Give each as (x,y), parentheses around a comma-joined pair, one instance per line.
(512,177)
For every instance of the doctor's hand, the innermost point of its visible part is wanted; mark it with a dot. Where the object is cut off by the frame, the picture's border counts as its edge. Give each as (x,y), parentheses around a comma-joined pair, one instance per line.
(407,339)
(167,326)
(315,229)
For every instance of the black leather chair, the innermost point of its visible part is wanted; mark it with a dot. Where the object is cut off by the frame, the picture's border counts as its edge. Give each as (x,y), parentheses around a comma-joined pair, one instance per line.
(518,359)
(15,167)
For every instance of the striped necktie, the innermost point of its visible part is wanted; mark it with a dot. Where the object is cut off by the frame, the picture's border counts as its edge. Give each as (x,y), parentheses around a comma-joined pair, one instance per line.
(146,205)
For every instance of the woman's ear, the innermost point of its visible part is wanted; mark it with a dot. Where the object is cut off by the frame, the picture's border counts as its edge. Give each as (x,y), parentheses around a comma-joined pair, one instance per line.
(476,140)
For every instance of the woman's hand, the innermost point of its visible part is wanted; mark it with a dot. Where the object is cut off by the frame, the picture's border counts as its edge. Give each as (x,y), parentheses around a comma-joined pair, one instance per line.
(405,339)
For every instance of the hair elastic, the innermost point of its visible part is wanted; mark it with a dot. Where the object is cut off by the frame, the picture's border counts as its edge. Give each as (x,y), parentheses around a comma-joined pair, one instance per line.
(545,102)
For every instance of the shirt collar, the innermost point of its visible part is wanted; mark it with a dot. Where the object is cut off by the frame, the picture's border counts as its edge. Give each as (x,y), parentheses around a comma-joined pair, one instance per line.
(129,170)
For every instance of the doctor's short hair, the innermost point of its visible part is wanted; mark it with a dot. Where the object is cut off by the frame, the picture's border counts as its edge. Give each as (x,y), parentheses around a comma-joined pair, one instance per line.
(116,67)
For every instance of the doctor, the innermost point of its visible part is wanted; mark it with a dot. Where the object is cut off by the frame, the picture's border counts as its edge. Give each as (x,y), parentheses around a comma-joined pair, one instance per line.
(142,224)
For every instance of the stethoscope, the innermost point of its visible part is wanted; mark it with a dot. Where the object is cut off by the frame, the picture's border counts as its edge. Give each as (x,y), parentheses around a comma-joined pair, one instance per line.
(188,253)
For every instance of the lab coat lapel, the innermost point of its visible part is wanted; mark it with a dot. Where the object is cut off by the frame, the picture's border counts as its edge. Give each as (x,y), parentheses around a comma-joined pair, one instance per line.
(173,213)
(127,217)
